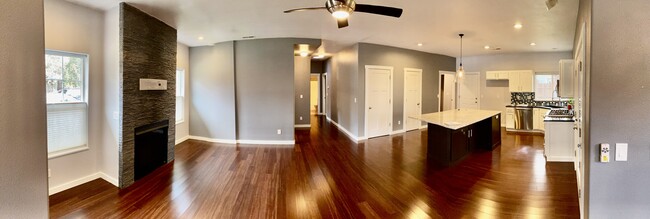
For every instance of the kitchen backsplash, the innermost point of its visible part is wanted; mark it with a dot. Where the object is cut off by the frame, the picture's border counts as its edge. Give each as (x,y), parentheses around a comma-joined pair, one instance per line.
(522,97)
(528,98)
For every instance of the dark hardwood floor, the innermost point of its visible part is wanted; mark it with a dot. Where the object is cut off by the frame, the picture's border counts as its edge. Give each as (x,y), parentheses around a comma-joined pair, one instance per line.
(326,175)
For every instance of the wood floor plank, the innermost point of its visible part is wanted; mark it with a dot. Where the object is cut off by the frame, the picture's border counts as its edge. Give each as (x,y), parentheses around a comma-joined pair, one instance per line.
(326,175)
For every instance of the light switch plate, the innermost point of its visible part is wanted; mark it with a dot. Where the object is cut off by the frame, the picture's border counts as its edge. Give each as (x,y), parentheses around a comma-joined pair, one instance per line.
(621,151)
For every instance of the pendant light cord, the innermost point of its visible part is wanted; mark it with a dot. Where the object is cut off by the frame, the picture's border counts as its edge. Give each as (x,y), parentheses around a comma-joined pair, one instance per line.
(461,48)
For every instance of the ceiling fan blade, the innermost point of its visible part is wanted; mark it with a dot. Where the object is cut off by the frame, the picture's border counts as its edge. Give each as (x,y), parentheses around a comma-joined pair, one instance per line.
(381,10)
(304,9)
(342,22)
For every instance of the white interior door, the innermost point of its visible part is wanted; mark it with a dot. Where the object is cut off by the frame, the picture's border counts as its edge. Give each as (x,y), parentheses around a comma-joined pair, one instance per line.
(578,91)
(379,109)
(447,91)
(468,92)
(412,98)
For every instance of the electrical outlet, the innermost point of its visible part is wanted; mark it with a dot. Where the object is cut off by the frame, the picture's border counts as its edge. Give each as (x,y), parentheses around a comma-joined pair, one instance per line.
(355,100)
(301,96)
(301,118)
(399,122)
(116,115)
(279,131)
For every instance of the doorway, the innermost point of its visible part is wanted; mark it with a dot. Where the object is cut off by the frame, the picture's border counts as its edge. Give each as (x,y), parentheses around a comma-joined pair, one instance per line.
(412,98)
(379,106)
(314,94)
(446,90)
(469,87)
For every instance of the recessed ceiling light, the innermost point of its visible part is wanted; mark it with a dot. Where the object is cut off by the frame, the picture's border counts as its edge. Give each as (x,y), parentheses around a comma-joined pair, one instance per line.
(518,26)
(319,56)
(248,37)
(486,47)
(533,44)
(200,38)
(304,54)
(420,44)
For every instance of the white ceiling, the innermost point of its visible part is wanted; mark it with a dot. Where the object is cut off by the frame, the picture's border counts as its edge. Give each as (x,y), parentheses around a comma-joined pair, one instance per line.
(435,23)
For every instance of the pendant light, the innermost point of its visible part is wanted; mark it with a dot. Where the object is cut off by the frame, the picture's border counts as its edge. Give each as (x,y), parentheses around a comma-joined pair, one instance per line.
(461,71)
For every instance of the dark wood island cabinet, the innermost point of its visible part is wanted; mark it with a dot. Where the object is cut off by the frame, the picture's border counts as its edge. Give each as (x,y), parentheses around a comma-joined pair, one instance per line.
(454,134)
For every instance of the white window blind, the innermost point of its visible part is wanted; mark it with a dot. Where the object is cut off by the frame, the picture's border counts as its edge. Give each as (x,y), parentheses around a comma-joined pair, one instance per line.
(67,126)
(67,109)
(180,96)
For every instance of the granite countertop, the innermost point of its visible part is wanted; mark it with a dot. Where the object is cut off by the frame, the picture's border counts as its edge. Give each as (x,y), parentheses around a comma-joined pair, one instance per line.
(456,119)
(536,106)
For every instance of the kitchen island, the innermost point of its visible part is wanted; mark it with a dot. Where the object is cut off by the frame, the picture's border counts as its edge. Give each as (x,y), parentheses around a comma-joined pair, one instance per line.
(454,134)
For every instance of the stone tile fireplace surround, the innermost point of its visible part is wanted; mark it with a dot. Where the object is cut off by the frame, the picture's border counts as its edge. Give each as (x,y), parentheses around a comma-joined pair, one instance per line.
(147,50)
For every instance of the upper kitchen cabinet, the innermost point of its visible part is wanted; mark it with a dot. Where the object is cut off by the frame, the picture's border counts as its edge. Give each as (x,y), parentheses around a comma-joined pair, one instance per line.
(521,81)
(496,75)
(566,78)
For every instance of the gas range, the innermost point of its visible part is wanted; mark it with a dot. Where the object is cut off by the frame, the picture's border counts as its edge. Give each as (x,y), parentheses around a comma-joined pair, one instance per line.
(560,113)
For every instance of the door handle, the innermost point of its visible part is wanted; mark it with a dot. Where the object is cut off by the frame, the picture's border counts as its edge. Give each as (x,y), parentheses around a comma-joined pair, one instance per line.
(418,104)
(369,107)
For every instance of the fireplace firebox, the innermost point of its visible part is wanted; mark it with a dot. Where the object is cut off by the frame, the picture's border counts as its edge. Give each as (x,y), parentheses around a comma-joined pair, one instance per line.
(150,148)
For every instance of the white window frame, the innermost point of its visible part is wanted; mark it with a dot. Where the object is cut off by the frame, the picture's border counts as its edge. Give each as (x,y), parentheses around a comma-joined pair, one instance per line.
(180,92)
(535,83)
(84,96)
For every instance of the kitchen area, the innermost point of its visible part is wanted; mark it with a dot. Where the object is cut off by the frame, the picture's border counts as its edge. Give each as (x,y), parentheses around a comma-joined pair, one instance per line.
(532,112)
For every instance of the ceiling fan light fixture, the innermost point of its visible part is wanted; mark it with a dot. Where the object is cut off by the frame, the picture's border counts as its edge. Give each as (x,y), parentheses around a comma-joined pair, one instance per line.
(341,14)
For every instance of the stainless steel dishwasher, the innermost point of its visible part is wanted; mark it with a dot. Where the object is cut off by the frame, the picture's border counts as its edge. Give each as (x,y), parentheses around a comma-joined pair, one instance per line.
(524,118)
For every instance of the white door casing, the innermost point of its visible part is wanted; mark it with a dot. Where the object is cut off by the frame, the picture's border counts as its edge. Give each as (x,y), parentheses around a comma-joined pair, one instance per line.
(412,98)
(378,101)
(469,91)
(579,93)
(446,83)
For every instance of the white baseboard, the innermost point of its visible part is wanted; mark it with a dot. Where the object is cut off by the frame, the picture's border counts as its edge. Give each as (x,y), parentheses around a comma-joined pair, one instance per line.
(348,133)
(82,180)
(229,141)
(181,140)
(560,159)
(214,140)
(397,132)
(109,179)
(302,126)
(291,142)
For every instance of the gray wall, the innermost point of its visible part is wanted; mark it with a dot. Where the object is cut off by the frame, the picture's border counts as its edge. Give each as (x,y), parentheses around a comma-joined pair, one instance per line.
(212,85)
(23,154)
(398,58)
(264,84)
(619,103)
(495,94)
(346,79)
(148,50)
(302,74)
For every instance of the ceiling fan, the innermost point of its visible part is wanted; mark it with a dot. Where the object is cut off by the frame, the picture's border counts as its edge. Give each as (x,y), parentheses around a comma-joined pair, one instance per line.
(341,10)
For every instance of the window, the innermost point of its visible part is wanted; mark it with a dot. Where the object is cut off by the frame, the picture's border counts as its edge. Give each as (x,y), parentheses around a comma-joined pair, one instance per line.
(545,86)
(65,87)
(180,96)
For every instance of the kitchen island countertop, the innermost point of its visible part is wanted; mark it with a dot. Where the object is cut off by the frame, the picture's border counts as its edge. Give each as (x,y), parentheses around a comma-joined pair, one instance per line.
(456,119)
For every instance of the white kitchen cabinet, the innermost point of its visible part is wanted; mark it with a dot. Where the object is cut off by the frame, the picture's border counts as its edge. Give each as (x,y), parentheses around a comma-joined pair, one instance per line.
(520,81)
(558,141)
(496,75)
(538,118)
(566,78)
(510,118)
